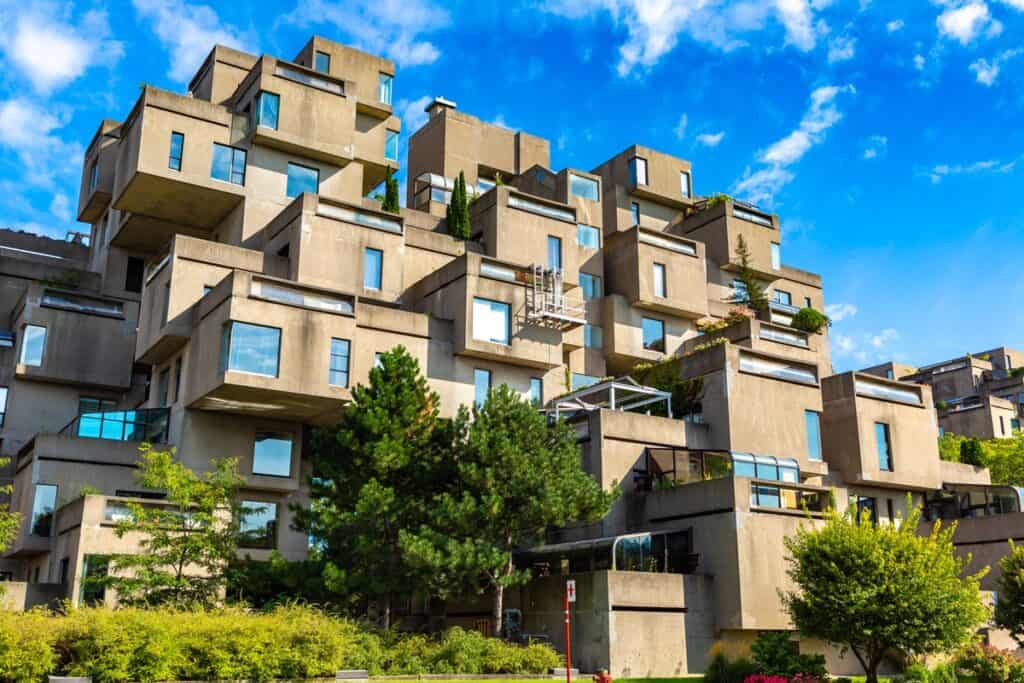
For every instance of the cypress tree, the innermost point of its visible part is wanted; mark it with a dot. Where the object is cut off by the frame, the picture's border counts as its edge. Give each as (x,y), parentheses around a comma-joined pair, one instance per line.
(457,215)
(390,203)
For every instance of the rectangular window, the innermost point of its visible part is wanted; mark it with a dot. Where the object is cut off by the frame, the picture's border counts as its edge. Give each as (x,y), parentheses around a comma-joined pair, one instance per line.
(94,174)
(739,290)
(3,405)
(177,148)
(164,386)
(588,237)
(373,268)
(635,210)
(267,107)
(536,391)
(593,337)
(228,164)
(813,422)
(864,507)
(892,512)
(586,188)
(654,334)
(251,348)
(883,443)
(591,286)
(807,302)
(638,170)
(302,179)
(491,321)
(322,62)
(385,83)
(177,380)
(391,146)
(133,274)
(272,454)
(782,297)
(659,280)
(42,509)
(581,381)
(258,526)
(776,256)
(1002,425)
(33,343)
(481,386)
(889,374)
(554,252)
(684,184)
(165,304)
(340,352)
(88,404)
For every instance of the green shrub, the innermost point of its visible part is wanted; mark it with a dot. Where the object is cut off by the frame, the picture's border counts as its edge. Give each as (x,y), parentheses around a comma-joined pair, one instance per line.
(810,320)
(990,665)
(127,645)
(917,673)
(943,673)
(722,670)
(26,646)
(775,653)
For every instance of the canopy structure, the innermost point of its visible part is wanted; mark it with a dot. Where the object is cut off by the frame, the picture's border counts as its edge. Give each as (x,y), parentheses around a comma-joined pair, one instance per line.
(624,393)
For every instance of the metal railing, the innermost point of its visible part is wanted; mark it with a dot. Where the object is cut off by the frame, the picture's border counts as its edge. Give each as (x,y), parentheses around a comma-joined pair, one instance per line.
(148,425)
(787,496)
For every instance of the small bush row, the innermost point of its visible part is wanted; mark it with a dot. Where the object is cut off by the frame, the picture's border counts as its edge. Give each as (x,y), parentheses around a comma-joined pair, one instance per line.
(289,642)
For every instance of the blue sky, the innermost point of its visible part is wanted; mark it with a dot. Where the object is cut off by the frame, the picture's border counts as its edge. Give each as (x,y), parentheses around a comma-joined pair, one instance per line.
(886,133)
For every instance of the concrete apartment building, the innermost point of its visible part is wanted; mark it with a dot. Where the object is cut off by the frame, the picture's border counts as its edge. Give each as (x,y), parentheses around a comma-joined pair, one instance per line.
(238,282)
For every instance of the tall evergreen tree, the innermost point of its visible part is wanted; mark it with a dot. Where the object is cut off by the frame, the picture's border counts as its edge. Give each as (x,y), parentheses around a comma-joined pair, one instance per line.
(390,203)
(457,214)
(752,294)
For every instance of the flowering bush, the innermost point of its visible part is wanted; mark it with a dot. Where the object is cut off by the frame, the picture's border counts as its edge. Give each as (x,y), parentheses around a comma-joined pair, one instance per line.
(990,665)
(762,678)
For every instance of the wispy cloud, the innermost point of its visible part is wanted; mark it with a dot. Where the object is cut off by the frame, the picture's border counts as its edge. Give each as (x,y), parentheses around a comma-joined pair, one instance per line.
(894,25)
(875,147)
(31,130)
(986,72)
(680,129)
(413,113)
(841,49)
(711,139)
(941,171)
(840,311)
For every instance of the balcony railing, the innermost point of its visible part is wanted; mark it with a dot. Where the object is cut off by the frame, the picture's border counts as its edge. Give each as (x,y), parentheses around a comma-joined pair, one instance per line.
(149,425)
(787,496)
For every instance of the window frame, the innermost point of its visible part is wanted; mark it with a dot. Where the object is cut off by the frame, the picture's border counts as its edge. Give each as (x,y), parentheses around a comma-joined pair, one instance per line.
(508,320)
(583,228)
(815,451)
(4,391)
(686,184)
(654,345)
(635,164)
(227,336)
(478,373)
(657,268)
(317,54)
(271,542)
(554,239)
(385,85)
(883,430)
(163,387)
(267,435)
(348,361)
(36,514)
(22,359)
(537,397)
(595,280)
(367,252)
(788,296)
(634,210)
(288,191)
(258,110)
(776,254)
(391,137)
(234,152)
(174,162)
(588,182)
(593,336)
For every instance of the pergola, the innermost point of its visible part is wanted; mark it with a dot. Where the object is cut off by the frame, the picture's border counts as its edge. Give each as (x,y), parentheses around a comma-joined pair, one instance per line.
(624,393)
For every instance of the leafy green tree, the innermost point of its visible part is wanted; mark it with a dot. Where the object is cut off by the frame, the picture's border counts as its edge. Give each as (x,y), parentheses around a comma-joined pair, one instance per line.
(1005,459)
(9,521)
(517,476)
(187,540)
(950,446)
(752,292)
(457,214)
(971,452)
(810,320)
(374,475)
(1010,603)
(390,203)
(873,588)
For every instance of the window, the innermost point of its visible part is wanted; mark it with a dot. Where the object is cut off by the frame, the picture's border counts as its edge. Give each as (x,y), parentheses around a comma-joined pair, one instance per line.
(481,386)
(322,62)
(883,443)
(378,359)
(32,344)
(177,380)
(782,297)
(267,107)
(3,405)
(93,567)
(250,348)
(373,266)
(807,302)
(536,391)
(391,145)
(133,274)
(635,210)
(1002,425)
(94,174)
(385,83)
(88,404)
(588,237)
(272,454)
(554,252)
(890,510)
(776,256)
(163,385)
(65,565)
(258,525)
(638,170)
(337,375)
(813,421)
(593,337)
(42,509)
(659,280)
(586,188)
(228,164)
(739,290)
(591,286)
(684,183)
(779,370)
(654,334)
(889,374)
(491,321)
(177,147)
(165,304)
(862,505)
(302,179)
(581,381)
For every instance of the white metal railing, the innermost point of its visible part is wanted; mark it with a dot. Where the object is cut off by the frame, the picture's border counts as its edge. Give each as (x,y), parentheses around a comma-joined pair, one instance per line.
(547,303)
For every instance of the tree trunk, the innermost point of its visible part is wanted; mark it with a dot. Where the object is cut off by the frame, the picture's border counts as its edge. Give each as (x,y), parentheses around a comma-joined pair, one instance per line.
(386,613)
(499,607)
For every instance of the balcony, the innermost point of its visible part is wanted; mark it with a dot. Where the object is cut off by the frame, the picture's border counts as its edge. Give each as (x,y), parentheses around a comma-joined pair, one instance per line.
(759,335)
(657,271)
(633,335)
(147,425)
(98,172)
(719,225)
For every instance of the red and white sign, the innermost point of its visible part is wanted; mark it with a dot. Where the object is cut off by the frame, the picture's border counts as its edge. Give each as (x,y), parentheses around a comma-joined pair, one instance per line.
(570,590)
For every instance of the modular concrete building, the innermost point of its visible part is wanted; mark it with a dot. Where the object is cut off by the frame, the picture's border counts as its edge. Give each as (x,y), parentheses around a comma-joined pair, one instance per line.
(239,280)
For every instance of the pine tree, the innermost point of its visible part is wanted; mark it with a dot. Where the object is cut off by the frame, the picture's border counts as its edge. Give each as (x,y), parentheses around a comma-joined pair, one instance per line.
(457,215)
(390,203)
(752,294)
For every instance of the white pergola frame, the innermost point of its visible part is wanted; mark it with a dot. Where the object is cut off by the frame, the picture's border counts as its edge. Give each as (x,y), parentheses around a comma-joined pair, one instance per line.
(624,393)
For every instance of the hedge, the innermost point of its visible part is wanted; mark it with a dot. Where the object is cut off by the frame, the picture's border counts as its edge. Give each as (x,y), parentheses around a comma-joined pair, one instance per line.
(288,642)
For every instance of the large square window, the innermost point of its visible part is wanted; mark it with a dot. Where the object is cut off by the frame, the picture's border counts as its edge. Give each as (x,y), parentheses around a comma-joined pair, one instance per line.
(654,334)
(177,150)
(272,454)
(391,145)
(660,289)
(322,62)
(554,252)
(588,237)
(813,423)
(638,170)
(591,286)
(251,348)
(587,188)
(258,525)
(883,442)
(373,268)
(42,509)
(228,164)
(302,179)
(491,321)
(33,343)
(268,105)
(385,84)
(340,352)
(481,386)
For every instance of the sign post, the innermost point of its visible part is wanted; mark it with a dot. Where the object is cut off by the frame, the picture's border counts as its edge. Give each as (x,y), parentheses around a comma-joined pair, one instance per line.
(570,597)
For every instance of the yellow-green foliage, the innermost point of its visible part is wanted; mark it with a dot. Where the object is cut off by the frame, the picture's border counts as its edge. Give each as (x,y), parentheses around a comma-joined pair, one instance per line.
(289,642)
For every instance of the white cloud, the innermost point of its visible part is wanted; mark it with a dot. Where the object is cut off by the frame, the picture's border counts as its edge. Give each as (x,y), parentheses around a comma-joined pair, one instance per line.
(843,344)
(841,49)
(711,139)
(919,62)
(966,22)
(986,72)
(680,129)
(413,113)
(884,337)
(875,147)
(60,207)
(937,173)
(838,312)
(395,28)
(1016,4)
(894,25)
(52,54)
(654,27)
(188,32)
(29,130)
